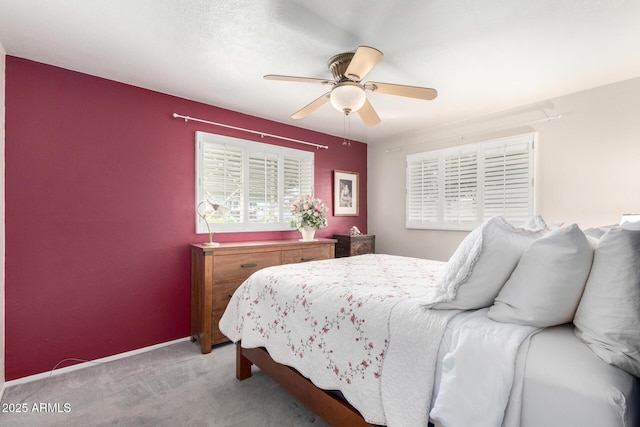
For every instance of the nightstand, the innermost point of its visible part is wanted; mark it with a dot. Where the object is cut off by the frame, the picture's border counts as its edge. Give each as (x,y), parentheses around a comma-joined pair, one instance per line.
(354,245)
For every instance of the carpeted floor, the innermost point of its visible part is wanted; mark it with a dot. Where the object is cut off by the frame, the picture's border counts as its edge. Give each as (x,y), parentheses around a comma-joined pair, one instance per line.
(171,386)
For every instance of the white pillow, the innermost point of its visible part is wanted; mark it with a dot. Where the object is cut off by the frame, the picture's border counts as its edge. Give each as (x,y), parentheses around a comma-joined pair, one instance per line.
(598,232)
(595,232)
(483,262)
(608,316)
(546,285)
(631,225)
(535,223)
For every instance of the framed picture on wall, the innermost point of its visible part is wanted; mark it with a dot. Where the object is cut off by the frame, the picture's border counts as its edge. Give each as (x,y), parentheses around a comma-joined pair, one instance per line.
(346,193)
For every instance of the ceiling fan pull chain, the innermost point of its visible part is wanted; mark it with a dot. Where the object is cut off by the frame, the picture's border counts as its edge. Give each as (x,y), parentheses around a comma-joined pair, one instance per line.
(349,130)
(346,129)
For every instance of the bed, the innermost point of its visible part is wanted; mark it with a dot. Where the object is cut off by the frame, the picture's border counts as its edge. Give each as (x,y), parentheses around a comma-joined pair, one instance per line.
(387,340)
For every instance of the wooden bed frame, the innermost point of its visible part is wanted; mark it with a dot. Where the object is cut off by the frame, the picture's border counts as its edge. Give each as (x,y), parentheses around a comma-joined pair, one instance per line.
(333,410)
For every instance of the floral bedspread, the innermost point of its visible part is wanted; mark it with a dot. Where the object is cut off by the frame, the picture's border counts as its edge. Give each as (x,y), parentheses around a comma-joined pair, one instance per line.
(334,322)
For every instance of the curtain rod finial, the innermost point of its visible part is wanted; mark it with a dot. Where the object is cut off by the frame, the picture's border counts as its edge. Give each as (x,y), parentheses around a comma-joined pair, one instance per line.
(178,116)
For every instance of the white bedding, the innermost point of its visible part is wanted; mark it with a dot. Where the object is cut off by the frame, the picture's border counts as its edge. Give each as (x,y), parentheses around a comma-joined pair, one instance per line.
(338,315)
(559,382)
(574,386)
(476,371)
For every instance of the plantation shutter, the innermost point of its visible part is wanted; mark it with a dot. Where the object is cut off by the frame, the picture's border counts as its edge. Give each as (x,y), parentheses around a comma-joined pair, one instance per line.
(222,176)
(423,201)
(263,188)
(256,183)
(458,188)
(297,181)
(508,189)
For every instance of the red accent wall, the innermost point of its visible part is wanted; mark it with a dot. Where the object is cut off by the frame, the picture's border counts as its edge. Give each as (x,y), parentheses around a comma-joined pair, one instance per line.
(100,211)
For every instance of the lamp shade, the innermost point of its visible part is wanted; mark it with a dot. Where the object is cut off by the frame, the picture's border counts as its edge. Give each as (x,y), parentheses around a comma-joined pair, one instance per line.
(348,97)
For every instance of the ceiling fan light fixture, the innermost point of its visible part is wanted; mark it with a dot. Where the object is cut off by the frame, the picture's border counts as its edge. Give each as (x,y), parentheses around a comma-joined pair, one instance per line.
(348,96)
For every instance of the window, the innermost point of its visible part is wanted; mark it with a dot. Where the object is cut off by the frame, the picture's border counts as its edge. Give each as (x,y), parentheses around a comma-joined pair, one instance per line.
(254,183)
(460,187)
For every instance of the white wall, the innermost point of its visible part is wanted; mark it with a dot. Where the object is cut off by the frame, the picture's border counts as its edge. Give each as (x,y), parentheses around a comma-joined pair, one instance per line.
(2,92)
(587,165)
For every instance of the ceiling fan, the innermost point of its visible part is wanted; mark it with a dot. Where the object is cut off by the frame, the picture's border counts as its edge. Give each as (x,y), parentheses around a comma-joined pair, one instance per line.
(348,92)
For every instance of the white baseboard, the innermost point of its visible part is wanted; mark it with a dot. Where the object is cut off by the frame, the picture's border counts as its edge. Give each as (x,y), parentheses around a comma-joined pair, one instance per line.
(83,365)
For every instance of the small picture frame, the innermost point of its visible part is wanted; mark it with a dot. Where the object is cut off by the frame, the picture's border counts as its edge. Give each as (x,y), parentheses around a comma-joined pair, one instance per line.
(346,193)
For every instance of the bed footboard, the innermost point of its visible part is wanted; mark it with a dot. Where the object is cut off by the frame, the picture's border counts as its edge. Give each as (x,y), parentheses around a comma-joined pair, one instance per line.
(331,409)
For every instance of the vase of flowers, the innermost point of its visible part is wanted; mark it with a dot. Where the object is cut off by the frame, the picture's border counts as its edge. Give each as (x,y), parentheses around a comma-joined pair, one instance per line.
(308,215)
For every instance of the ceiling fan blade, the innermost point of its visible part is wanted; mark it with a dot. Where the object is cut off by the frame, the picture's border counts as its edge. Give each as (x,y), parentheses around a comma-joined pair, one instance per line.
(368,114)
(402,90)
(297,79)
(362,62)
(312,106)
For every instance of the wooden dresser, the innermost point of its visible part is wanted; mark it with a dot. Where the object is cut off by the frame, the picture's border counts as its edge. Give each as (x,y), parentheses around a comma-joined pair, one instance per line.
(217,271)
(354,245)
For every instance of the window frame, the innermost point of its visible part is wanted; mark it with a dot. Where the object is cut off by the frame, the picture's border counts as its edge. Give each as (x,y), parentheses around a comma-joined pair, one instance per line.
(251,152)
(421,203)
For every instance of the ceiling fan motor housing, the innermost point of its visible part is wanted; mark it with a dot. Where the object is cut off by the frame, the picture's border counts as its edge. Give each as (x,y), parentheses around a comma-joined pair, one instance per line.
(338,65)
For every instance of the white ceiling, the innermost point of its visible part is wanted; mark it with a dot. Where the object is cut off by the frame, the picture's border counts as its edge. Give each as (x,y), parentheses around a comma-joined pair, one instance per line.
(483,56)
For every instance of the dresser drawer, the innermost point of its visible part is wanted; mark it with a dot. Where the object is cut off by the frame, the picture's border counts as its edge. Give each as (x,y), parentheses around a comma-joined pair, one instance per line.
(241,266)
(223,292)
(313,253)
(361,248)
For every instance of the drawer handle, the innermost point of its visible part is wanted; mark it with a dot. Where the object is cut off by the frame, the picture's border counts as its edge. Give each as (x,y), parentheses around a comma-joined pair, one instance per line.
(250,265)
(307,259)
